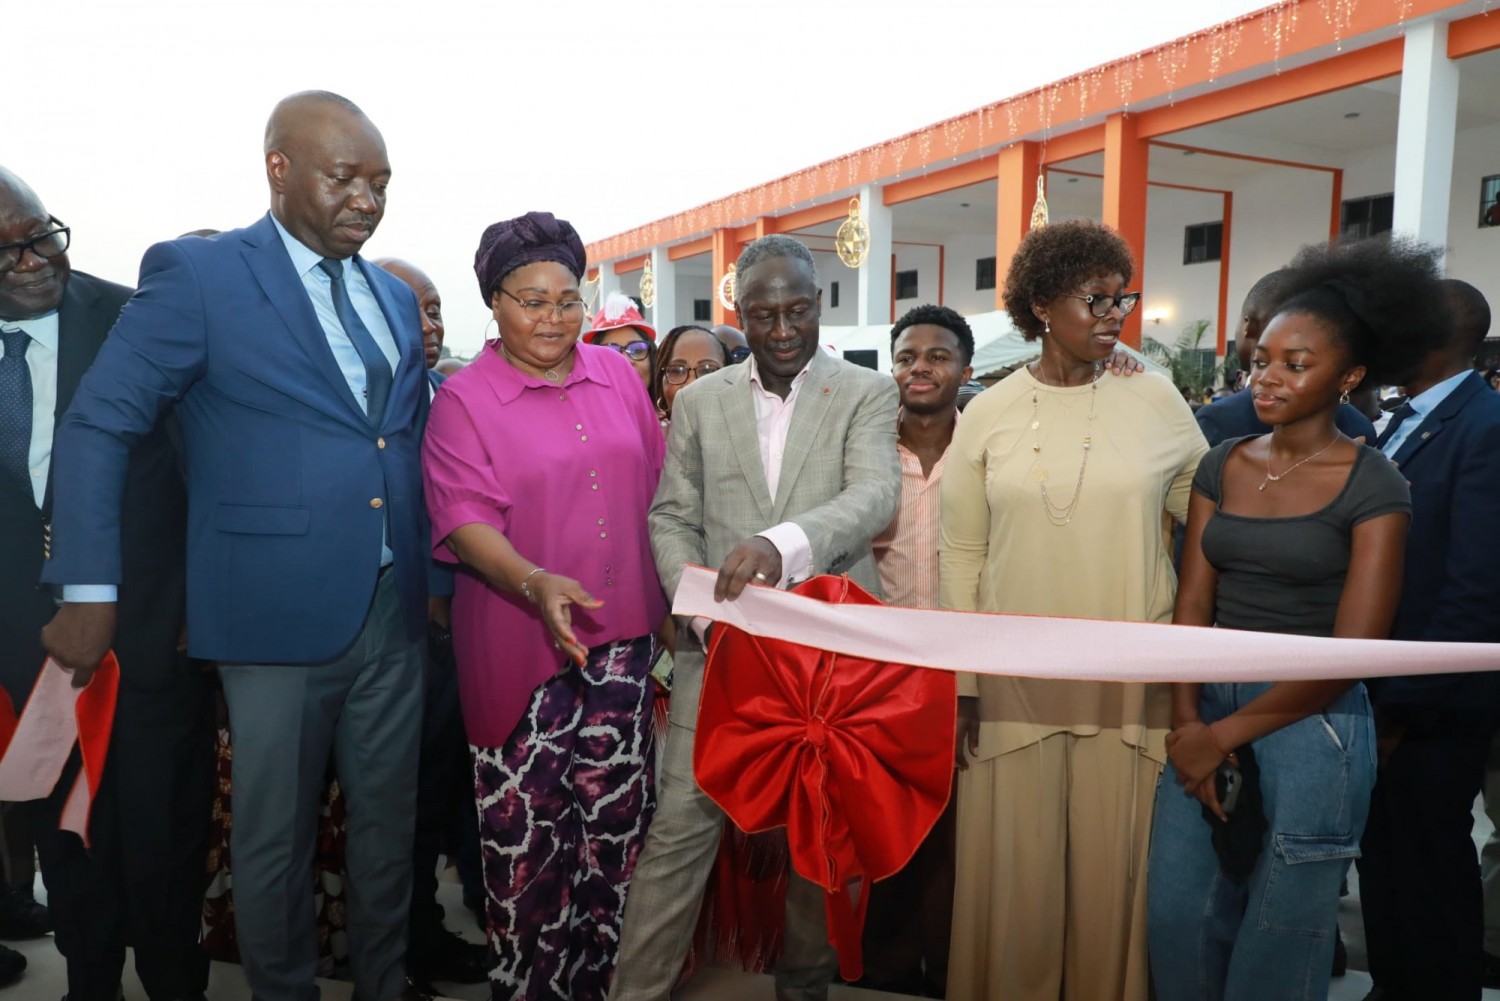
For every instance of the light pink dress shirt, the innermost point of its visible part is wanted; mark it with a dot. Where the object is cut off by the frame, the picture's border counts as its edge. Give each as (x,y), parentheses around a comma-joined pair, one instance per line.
(906,553)
(566,473)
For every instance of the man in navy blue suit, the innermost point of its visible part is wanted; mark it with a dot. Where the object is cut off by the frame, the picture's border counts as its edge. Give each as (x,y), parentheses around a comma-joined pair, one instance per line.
(1419,876)
(297,377)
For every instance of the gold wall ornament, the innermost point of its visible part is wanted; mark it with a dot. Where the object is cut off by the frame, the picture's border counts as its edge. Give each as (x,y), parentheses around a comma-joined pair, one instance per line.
(726,289)
(852,241)
(648,285)
(1039,210)
(588,291)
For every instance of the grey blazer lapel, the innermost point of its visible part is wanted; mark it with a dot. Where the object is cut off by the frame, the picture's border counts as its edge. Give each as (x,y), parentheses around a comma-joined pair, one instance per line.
(814,401)
(739,415)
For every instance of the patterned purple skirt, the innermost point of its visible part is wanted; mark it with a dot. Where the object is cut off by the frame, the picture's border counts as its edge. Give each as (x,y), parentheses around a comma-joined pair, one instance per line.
(563,810)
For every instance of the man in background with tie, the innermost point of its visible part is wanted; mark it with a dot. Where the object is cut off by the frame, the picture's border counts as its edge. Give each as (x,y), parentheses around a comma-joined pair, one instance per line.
(141,880)
(1418,877)
(297,376)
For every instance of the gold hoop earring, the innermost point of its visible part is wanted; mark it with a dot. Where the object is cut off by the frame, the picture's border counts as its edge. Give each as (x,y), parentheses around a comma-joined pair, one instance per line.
(487,338)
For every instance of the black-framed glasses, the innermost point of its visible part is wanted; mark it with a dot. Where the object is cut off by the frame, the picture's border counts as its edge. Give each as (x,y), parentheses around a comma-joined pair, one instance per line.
(53,243)
(1100,305)
(739,354)
(635,350)
(540,310)
(677,373)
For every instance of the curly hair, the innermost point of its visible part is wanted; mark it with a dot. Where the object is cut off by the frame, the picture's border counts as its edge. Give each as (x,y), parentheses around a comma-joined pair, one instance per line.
(938,316)
(1380,298)
(664,358)
(1055,259)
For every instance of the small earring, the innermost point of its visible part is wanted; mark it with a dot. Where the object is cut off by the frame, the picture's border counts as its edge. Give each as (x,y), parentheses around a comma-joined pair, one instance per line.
(1344,398)
(1046,327)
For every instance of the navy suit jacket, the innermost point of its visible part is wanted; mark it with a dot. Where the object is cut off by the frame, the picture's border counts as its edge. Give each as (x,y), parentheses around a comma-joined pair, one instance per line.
(289,487)
(1451,589)
(1234,417)
(152,537)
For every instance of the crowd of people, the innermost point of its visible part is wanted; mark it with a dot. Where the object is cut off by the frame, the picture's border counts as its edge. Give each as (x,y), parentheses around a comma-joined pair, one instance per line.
(434,599)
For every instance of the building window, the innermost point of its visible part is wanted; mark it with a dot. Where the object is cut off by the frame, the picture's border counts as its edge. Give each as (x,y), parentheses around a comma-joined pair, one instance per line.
(906,284)
(1489,201)
(1203,242)
(1362,217)
(833,295)
(984,274)
(703,310)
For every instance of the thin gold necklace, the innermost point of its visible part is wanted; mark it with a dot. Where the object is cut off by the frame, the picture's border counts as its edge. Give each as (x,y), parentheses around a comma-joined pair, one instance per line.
(550,374)
(1273,478)
(1060,514)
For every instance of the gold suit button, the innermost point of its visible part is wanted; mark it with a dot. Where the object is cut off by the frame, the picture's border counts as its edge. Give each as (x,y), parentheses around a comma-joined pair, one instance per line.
(376,502)
(380,443)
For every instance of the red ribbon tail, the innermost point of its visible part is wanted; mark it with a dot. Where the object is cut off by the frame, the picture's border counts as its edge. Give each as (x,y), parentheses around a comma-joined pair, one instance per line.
(845,913)
(95,713)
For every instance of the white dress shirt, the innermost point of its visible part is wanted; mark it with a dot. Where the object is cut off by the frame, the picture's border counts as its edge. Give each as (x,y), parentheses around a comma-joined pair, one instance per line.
(41,360)
(773,419)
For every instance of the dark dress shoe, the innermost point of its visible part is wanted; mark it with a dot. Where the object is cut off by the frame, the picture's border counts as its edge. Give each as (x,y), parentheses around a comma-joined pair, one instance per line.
(442,955)
(21,917)
(12,965)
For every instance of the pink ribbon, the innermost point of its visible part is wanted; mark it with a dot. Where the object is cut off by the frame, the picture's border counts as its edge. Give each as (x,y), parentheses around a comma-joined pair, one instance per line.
(1035,646)
(35,748)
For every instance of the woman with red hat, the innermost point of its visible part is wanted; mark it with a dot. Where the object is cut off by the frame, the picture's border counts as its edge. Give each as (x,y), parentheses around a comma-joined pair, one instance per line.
(620,327)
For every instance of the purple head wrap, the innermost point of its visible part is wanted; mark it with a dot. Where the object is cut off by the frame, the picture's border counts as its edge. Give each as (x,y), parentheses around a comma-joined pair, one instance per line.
(514,243)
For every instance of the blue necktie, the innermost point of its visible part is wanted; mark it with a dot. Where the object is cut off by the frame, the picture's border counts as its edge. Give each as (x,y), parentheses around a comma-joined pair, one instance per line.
(1399,415)
(15,407)
(378,376)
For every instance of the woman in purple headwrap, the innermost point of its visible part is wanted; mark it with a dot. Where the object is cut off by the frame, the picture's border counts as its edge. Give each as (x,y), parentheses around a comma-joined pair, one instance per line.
(541,458)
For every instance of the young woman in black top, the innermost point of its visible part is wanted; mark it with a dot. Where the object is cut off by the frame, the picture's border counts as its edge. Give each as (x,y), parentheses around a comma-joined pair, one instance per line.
(1299,531)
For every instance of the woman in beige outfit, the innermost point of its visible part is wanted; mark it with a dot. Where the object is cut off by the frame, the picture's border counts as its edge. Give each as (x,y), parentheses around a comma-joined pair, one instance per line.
(1054,503)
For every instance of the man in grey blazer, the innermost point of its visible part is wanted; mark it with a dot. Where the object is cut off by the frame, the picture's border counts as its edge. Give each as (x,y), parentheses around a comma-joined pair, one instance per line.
(776,471)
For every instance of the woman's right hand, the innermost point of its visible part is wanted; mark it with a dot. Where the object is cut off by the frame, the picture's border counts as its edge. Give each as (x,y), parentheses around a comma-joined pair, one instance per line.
(966,736)
(555,595)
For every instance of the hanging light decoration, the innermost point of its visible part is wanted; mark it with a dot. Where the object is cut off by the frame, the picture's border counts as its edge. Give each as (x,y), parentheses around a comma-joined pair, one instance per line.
(726,289)
(648,285)
(1039,210)
(852,241)
(589,291)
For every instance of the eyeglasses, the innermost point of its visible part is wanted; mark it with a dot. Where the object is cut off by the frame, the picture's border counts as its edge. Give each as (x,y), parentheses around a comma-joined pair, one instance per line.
(676,373)
(635,350)
(1100,305)
(53,243)
(737,355)
(539,310)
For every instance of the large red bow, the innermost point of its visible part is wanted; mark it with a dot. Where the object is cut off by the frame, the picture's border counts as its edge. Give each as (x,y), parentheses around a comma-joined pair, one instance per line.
(854,757)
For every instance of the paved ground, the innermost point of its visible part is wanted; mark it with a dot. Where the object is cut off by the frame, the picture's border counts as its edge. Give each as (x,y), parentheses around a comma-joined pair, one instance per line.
(45,979)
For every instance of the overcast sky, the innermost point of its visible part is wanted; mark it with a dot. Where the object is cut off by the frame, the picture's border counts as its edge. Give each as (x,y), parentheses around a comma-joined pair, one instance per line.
(137,121)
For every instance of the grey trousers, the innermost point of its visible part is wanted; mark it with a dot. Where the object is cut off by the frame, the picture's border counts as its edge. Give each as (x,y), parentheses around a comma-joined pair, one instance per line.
(365,708)
(666,892)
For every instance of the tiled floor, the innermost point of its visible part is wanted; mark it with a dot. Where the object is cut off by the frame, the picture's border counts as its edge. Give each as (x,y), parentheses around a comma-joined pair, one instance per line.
(45,978)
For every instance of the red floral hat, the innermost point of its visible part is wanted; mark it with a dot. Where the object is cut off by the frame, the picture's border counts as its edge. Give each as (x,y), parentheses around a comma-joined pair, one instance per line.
(619,311)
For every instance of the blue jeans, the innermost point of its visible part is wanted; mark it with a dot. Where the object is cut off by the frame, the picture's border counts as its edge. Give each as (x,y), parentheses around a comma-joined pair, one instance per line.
(1272,936)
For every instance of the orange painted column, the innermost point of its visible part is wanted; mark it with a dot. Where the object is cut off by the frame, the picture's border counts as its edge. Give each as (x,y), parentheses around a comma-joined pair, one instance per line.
(1125,168)
(1015,190)
(1222,340)
(726,251)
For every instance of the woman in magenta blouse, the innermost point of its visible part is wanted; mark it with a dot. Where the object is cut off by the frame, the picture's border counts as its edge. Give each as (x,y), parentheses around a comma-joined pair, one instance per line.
(541,458)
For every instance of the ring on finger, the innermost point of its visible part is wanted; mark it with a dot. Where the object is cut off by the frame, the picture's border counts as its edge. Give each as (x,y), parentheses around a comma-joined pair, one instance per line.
(761,577)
